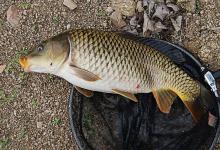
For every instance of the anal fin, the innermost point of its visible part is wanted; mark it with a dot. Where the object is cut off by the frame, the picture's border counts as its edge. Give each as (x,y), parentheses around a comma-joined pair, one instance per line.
(164,99)
(125,94)
(86,93)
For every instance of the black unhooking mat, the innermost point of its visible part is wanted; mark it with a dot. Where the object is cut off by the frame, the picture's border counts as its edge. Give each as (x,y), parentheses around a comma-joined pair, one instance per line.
(112,122)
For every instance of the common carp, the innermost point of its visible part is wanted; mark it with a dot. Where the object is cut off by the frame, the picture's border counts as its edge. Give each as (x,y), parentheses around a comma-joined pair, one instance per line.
(110,62)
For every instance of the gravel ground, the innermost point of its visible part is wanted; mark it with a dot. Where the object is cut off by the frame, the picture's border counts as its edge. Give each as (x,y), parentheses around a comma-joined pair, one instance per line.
(34,114)
(33,107)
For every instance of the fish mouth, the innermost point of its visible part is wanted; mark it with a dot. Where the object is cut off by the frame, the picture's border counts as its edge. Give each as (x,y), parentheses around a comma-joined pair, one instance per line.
(24,63)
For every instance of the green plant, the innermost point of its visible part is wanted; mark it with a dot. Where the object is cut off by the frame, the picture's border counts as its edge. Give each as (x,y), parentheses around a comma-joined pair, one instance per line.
(55,19)
(56,121)
(1,22)
(101,13)
(6,99)
(50,76)
(197,6)
(4,143)
(24,5)
(34,103)
(87,123)
(14,63)
(22,133)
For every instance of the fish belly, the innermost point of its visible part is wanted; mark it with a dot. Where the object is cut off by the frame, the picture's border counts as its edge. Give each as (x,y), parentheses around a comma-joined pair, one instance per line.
(103,85)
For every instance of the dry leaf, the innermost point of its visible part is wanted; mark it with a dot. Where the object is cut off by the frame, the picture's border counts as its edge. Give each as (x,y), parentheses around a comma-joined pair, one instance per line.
(2,68)
(13,16)
(173,6)
(159,26)
(212,120)
(151,6)
(159,1)
(116,18)
(145,3)
(133,21)
(148,24)
(177,23)
(140,6)
(161,11)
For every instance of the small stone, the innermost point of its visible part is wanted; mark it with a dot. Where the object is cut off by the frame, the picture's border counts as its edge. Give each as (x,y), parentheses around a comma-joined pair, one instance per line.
(125,7)
(70,4)
(13,16)
(109,10)
(68,26)
(2,68)
(117,20)
(39,125)
(104,24)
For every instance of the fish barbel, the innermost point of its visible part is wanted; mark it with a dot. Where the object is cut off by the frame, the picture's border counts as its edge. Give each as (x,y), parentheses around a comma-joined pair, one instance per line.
(94,60)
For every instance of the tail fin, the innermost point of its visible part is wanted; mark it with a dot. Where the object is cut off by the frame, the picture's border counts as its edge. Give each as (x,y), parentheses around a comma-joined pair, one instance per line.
(200,105)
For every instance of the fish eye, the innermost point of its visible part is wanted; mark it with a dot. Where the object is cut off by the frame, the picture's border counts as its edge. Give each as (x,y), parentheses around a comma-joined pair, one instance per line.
(40,48)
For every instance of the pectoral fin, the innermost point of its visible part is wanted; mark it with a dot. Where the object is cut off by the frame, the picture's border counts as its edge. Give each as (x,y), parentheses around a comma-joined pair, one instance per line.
(125,94)
(84,74)
(164,99)
(86,93)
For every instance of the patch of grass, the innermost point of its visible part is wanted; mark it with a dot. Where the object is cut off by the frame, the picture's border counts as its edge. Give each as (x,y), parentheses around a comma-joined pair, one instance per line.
(1,22)
(22,133)
(56,19)
(21,75)
(101,13)
(14,63)
(24,5)
(56,121)
(50,76)
(4,143)
(197,7)
(87,123)
(6,99)
(34,103)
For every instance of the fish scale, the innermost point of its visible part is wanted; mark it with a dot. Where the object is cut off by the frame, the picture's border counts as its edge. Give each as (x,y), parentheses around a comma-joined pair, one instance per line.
(119,59)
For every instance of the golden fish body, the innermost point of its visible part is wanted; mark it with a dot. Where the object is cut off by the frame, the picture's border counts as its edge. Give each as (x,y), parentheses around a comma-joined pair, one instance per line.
(125,64)
(110,62)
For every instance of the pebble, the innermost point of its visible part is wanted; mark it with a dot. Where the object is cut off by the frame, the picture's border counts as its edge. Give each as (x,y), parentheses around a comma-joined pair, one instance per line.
(70,4)
(68,26)
(109,10)
(39,125)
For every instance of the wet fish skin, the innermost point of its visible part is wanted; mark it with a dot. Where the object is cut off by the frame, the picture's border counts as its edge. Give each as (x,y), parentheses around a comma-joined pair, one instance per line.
(136,68)
(113,63)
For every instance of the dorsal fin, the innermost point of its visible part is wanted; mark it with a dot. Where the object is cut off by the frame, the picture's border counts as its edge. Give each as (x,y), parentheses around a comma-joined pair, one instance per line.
(166,48)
